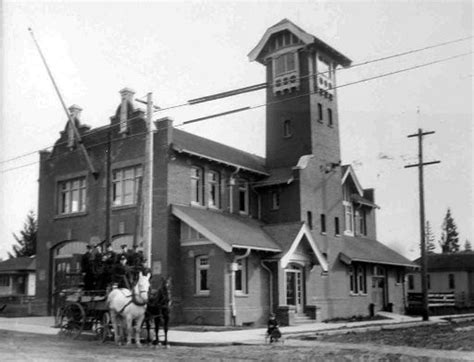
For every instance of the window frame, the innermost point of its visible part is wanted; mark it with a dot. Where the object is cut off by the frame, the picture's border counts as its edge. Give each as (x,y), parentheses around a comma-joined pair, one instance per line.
(243,186)
(120,182)
(309,218)
(242,265)
(358,279)
(287,128)
(283,68)
(275,199)
(320,113)
(196,186)
(337,227)
(5,280)
(330,118)
(322,219)
(348,217)
(213,183)
(65,195)
(451,281)
(199,267)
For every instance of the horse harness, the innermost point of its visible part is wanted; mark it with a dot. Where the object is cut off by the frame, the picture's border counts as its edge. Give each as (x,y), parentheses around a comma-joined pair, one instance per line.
(133,300)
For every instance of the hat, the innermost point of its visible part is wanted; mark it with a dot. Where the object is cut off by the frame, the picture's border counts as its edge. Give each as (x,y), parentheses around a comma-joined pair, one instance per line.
(123,246)
(123,257)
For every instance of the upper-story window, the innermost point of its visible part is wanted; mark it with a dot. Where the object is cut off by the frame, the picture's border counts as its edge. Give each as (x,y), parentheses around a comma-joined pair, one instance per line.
(125,182)
(336,226)
(287,128)
(72,196)
(243,197)
(348,211)
(361,222)
(285,63)
(309,218)
(196,185)
(323,223)
(330,121)
(320,112)
(323,67)
(213,188)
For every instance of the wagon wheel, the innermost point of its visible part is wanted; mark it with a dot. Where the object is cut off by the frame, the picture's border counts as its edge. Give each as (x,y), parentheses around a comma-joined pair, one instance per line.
(73,320)
(107,327)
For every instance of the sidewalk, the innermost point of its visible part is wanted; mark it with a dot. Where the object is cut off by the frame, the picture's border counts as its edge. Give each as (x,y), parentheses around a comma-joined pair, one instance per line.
(44,325)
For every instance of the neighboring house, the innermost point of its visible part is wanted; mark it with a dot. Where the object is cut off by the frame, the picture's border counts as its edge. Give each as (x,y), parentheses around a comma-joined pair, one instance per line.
(240,235)
(18,277)
(447,273)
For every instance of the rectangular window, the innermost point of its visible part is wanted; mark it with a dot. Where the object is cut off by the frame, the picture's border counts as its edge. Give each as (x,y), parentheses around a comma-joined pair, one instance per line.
(323,223)
(428,281)
(320,112)
(452,284)
(4,280)
(330,117)
(352,280)
(275,200)
(411,282)
(399,276)
(360,222)
(214,189)
(284,64)
(349,217)
(361,279)
(241,276)
(309,217)
(196,185)
(202,274)
(243,197)
(287,128)
(72,196)
(125,183)
(336,226)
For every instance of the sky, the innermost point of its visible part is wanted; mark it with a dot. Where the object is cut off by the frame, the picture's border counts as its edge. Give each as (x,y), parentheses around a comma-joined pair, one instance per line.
(184,50)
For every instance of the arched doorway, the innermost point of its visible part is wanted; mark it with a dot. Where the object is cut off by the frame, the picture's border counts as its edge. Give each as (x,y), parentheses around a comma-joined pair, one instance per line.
(67,264)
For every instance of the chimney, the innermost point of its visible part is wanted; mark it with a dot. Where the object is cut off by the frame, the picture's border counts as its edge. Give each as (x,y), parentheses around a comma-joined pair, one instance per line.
(127,97)
(127,94)
(164,128)
(75,111)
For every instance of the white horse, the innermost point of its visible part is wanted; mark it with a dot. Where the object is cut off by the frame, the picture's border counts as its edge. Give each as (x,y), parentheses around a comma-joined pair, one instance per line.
(130,306)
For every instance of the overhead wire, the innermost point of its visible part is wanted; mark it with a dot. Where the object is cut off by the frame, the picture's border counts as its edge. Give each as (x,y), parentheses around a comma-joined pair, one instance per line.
(100,129)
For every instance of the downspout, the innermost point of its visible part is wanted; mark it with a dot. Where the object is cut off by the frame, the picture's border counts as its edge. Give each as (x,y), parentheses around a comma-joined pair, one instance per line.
(233,268)
(262,263)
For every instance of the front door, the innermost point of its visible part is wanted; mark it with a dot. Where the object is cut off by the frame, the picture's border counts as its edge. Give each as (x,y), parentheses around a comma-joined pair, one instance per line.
(294,288)
(378,288)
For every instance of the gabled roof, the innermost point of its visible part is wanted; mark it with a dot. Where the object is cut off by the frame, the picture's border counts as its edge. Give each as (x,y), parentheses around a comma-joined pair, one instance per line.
(289,236)
(227,231)
(358,249)
(191,144)
(462,261)
(24,263)
(305,37)
(348,171)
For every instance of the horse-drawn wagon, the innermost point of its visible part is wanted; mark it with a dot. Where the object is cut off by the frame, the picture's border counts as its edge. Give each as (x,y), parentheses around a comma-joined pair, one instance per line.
(83,311)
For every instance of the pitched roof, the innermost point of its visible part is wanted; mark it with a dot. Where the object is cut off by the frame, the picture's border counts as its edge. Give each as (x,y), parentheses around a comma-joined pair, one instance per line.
(370,251)
(226,230)
(278,176)
(218,152)
(284,233)
(463,261)
(307,39)
(18,264)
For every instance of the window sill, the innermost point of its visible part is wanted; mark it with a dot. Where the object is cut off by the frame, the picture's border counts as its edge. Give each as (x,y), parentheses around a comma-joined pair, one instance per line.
(197,204)
(358,294)
(123,207)
(323,233)
(245,213)
(241,294)
(72,214)
(202,295)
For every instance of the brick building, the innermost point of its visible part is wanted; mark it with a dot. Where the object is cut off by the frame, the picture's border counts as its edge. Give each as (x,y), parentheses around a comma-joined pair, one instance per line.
(241,235)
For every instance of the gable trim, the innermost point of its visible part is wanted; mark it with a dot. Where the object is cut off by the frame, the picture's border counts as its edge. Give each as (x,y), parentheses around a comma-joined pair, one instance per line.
(351,172)
(304,231)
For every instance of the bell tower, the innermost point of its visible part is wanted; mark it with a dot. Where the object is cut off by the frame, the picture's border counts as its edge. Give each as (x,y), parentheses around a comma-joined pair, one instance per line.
(302,117)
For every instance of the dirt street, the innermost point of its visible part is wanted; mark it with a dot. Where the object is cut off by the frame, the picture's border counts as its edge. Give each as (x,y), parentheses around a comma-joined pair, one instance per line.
(29,347)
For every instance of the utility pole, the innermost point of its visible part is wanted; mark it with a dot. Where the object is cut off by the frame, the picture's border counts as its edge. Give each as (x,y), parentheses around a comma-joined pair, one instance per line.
(148,183)
(420,165)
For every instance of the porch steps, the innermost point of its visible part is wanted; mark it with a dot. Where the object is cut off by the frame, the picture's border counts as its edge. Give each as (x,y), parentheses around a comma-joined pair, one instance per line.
(303,319)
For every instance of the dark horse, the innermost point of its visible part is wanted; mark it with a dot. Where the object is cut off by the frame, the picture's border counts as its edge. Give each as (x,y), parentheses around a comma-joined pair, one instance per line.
(158,310)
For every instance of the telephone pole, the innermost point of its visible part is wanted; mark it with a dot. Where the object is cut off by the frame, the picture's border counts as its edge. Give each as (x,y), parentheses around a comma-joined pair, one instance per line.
(420,165)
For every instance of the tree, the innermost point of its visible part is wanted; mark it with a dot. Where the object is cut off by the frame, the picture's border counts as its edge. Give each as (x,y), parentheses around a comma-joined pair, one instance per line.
(429,239)
(467,245)
(449,235)
(27,239)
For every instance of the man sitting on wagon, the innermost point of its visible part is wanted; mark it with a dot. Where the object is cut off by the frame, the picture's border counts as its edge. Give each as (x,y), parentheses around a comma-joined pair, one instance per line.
(122,273)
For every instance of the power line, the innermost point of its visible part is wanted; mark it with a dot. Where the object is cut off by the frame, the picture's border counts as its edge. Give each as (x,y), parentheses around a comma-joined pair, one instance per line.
(262,105)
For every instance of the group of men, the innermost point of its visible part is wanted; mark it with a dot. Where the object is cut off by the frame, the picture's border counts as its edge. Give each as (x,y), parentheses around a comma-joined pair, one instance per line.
(103,269)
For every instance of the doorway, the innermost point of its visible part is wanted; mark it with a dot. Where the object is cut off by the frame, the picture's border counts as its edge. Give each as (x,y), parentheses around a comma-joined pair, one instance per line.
(378,288)
(294,288)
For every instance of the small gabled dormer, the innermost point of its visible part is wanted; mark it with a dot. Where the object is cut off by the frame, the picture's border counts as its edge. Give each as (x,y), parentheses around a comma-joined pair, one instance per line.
(358,206)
